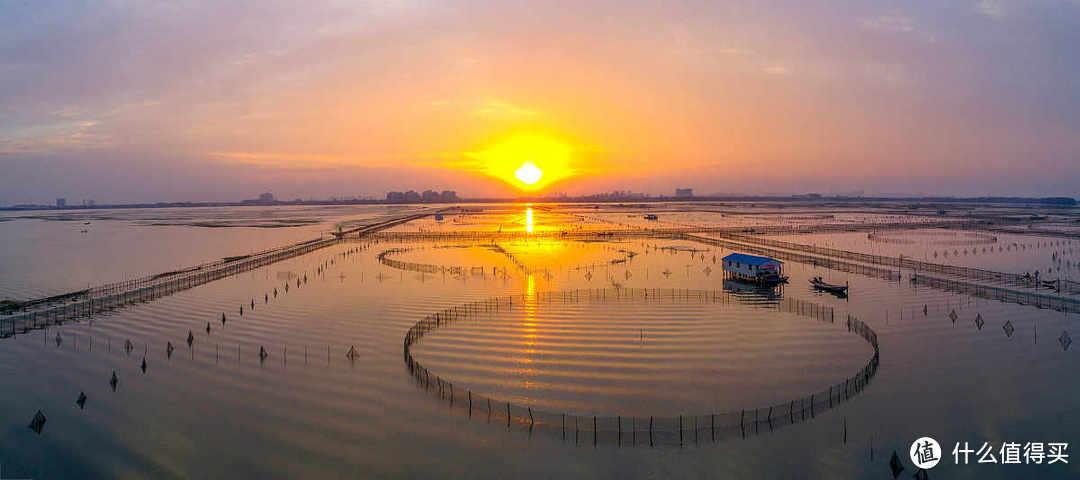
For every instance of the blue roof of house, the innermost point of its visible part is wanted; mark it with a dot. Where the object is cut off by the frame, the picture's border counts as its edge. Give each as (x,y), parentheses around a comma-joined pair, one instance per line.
(750,259)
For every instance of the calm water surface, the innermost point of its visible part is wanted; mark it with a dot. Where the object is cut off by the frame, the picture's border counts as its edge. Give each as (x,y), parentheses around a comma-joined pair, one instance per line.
(55,252)
(215,410)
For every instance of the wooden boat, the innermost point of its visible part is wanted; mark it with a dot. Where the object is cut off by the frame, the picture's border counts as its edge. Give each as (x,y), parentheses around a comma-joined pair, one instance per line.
(820,284)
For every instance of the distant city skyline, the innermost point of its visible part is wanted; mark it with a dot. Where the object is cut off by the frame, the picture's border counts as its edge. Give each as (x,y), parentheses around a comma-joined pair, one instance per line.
(450,197)
(206,101)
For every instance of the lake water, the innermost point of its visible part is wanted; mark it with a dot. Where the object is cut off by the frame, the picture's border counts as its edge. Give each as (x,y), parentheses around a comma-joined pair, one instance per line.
(215,409)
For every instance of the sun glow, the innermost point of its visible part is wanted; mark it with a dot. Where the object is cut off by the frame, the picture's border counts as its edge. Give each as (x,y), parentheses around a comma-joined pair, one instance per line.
(529,162)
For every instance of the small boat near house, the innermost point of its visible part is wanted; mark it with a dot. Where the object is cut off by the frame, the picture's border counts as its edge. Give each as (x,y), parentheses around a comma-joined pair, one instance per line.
(820,284)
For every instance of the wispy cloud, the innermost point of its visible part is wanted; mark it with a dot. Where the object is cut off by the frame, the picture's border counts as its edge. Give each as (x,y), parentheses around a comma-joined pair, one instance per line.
(776,70)
(338,87)
(68,133)
(889,23)
(896,23)
(490,107)
(990,8)
(304,161)
(498,108)
(740,52)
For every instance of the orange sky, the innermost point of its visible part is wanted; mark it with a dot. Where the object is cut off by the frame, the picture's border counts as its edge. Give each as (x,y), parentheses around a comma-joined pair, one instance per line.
(340,99)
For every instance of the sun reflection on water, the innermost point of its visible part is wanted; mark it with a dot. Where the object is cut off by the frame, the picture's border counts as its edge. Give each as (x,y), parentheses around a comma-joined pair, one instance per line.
(530,333)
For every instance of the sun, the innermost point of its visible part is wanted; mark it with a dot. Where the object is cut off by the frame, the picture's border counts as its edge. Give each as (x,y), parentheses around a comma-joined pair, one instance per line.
(529,173)
(529,162)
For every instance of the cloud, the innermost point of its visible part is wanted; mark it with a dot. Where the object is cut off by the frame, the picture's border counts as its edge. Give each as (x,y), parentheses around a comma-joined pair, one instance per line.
(990,8)
(896,23)
(498,108)
(486,108)
(739,52)
(67,134)
(775,70)
(299,161)
(888,23)
(337,87)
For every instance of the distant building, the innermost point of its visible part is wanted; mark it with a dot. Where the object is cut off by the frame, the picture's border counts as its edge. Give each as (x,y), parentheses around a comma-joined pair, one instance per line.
(264,198)
(61,202)
(615,195)
(429,196)
(684,192)
(88,203)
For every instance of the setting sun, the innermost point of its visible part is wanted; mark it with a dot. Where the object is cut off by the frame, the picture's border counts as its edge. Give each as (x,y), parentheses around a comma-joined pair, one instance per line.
(529,162)
(528,173)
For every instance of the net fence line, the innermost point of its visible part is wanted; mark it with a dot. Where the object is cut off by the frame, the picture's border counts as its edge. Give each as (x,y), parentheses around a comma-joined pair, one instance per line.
(917,266)
(111,288)
(1038,300)
(360,231)
(1030,230)
(834,264)
(86,303)
(147,289)
(385,258)
(899,262)
(637,231)
(115,288)
(667,430)
(972,238)
(479,237)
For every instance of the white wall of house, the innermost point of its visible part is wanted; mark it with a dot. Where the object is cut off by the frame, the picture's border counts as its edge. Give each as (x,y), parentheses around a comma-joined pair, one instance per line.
(751,270)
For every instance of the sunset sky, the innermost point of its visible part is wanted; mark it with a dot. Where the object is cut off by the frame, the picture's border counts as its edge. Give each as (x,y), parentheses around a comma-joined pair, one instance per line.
(221,100)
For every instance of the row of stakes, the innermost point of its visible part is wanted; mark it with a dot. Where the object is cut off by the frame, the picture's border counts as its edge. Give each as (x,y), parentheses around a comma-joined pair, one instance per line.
(37,423)
(1064,339)
(633,421)
(895,464)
